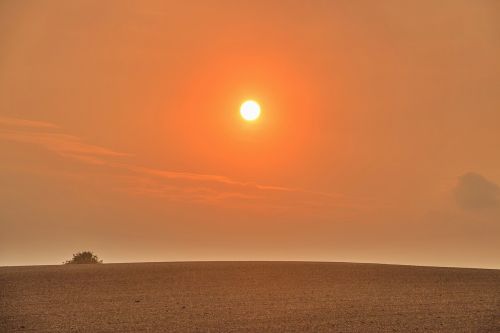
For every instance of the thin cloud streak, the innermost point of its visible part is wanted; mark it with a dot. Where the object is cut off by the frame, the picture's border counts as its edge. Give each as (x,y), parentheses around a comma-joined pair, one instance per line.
(204,178)
(62,144)
(16,122)
(174,185)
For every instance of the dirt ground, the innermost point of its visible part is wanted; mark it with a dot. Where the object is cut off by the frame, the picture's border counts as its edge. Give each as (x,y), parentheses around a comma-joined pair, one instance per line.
(248,297)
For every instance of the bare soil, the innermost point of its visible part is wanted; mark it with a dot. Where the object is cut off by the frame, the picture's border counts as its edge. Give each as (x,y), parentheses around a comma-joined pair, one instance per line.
(248,297)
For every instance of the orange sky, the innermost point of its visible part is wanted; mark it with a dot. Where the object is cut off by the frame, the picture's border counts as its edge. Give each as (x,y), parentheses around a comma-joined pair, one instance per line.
(378,140)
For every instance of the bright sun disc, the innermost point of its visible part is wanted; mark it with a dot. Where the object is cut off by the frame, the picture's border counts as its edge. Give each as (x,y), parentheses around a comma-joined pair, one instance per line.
(250,110)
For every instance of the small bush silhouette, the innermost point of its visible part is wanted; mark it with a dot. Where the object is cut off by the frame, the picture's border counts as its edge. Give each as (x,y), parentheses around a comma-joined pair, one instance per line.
(85,257)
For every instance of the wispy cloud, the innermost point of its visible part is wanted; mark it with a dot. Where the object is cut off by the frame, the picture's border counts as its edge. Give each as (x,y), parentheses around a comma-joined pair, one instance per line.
(16,122)
(66,145)
(207,178)
(145,181)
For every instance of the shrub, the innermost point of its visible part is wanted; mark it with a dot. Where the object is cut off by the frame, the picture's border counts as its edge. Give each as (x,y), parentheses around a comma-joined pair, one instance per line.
(85,257)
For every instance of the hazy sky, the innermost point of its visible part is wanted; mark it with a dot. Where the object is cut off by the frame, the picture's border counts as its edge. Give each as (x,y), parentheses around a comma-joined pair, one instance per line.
(379,139)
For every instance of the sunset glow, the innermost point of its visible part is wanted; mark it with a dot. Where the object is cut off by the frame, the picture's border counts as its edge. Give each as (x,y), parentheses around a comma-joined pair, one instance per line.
(161,130)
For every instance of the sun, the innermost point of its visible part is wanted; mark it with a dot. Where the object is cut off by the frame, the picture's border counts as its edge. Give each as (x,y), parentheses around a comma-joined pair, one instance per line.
(250,110)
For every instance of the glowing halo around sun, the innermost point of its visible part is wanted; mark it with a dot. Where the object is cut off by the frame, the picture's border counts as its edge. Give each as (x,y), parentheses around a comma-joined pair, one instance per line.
(250,110)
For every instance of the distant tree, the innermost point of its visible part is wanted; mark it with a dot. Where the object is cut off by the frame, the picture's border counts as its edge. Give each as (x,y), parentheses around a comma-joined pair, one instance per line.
(85,257)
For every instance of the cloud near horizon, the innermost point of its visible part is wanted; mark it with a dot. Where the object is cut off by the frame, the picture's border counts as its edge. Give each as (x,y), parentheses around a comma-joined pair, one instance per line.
(475,192)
